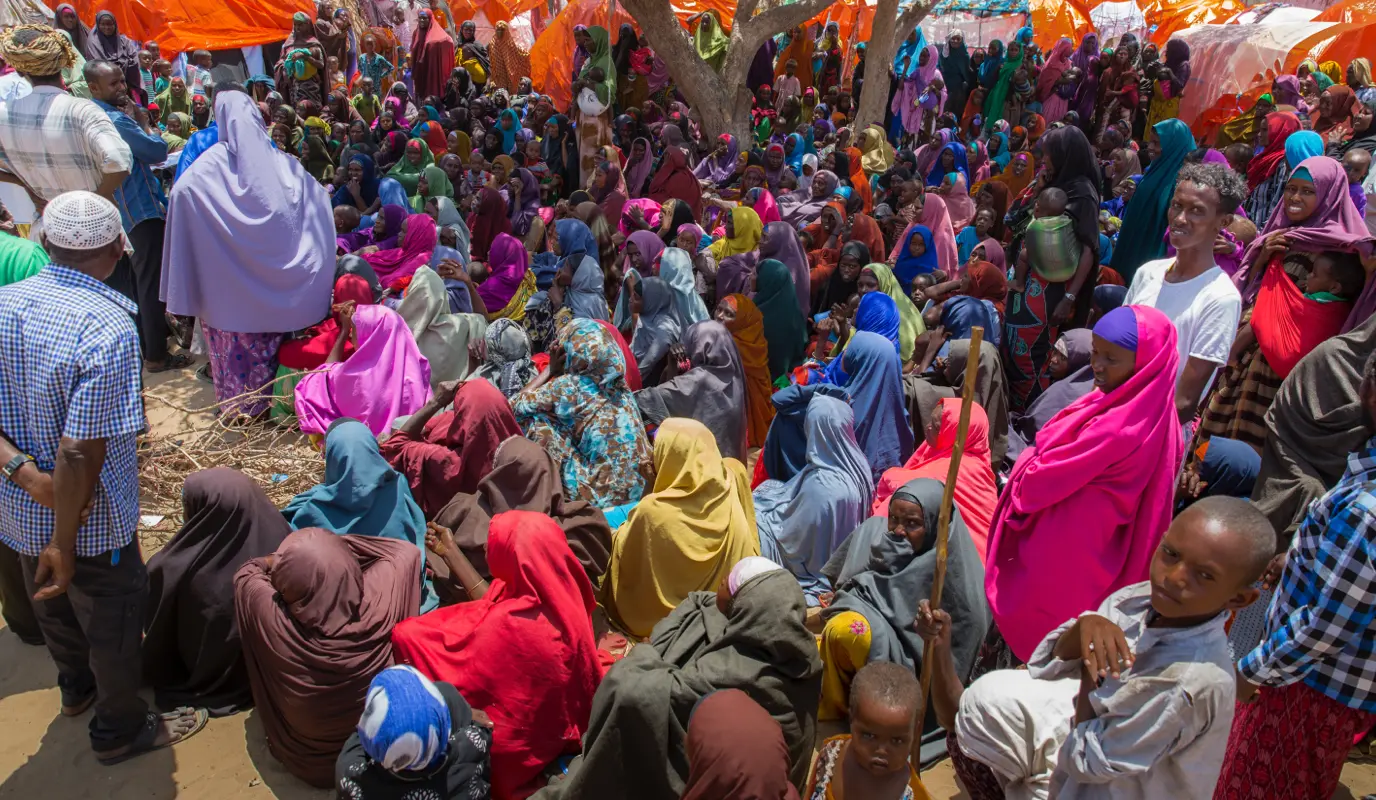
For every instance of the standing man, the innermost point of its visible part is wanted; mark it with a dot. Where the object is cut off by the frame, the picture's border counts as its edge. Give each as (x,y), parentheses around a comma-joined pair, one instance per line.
(51,142)
(70,408)
(142,209)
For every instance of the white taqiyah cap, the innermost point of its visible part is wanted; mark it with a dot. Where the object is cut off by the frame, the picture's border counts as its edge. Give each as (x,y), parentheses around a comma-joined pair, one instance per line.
(81,221)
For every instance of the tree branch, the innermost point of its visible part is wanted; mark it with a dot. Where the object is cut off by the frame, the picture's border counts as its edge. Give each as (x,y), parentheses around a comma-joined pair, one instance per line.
(745,9)
(909,20)
(780,18)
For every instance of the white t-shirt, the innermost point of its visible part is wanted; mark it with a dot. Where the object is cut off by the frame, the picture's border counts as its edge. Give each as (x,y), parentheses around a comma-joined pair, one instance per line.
(1205,309)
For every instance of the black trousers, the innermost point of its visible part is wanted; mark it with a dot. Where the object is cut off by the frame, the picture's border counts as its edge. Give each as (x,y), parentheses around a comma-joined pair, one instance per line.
(146,270)
(15,603)
(94,633)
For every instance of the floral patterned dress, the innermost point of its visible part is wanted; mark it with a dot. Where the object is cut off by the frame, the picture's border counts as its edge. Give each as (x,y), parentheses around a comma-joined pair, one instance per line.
(588,420)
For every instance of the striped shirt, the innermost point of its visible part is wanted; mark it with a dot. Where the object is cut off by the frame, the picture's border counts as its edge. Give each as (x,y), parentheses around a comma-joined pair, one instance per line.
(57,143)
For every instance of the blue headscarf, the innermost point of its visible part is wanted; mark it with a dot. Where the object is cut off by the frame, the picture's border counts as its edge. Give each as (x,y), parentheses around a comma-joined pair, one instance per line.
(876,389)
(578,248)
(910,51)
(361,494)
(878,313)
(405,724)
(910,266)
(1299,146)
(1229,468)
(1105,249)
(962,165)
(367,184)
(795,159)
(785,446)
(961,313)
(993,62)
(1004,155)
(509,137)
(1024,35)
(1108,297)
(391,193)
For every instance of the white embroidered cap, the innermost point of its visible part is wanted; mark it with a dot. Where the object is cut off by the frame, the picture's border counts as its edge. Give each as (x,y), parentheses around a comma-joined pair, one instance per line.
(81,221)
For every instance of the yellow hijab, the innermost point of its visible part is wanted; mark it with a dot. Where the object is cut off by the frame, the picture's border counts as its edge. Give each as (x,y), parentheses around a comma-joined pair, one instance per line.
(748,231)
(877,152)
(1333,70)
(910,324)
(686,535)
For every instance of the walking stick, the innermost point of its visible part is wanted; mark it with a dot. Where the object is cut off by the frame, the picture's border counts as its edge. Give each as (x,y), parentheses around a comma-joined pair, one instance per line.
(943,525)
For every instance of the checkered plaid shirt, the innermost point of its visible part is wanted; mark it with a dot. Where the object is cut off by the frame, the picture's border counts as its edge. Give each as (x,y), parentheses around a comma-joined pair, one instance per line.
(57,143)
(71,368)
(1321,626)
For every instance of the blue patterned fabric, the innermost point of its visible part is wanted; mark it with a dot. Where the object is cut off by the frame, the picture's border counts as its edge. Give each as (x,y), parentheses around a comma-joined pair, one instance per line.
(71,368)
(405,724)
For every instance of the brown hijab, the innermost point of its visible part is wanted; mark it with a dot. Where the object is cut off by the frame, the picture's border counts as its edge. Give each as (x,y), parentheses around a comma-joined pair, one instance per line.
(736,750)
(316,627)
(523,478)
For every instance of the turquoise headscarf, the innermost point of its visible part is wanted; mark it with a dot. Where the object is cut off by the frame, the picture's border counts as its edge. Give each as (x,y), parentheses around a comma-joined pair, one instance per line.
(361,494)
(1301,145)
(1144,222)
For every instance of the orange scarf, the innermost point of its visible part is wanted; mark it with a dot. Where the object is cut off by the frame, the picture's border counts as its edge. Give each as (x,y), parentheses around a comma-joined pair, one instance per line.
(748,331)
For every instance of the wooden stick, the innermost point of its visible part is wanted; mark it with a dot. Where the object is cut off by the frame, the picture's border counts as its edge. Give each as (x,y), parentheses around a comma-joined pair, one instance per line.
(943,525)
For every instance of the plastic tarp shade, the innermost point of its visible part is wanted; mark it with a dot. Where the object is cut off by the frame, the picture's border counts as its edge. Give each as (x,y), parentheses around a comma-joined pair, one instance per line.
(1231,60)
(181,25)
(978,31)
(551,60)
(1359,39)
(1166,17)
(1053,19)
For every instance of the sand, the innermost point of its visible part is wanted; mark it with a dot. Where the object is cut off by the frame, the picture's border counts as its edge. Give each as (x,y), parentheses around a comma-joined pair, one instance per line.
(45,756)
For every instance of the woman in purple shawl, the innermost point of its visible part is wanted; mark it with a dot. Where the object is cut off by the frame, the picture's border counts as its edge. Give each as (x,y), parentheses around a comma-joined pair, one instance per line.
(525,209)
(1086,59)
(720,164)
(580,53)
(780,242)
(762,67)
(390,219)
(247,251)
(507,265)
(905,102)
(640,164)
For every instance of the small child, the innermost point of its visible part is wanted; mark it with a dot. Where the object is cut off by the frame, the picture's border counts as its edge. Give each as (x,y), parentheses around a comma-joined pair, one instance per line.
(1050,246)
(477,176)
(146,71)
(971,235)
(163,68)
(871,762)
(346,218)
(336,74)
(1334,278)
(1132,700)
(534,162)
(1239,155)
(198,71)
(787,84)
(365,101)
(1357,163)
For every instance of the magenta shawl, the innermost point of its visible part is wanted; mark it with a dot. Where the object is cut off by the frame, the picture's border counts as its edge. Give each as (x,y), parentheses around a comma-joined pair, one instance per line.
(1088,503)
(507,263)
(415,249)
(385,378)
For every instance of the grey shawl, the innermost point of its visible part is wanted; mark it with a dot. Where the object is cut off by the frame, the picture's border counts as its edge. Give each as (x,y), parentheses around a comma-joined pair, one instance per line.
(712,392)
(634,746)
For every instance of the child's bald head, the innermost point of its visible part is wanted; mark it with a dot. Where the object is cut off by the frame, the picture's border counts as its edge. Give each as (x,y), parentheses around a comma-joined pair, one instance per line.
(1209,559)
(1357,163)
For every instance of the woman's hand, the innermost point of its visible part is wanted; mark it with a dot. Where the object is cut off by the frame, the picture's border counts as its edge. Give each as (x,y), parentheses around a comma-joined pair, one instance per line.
(440,540)
(367,251)
(1276,243)
(477,350)
(445,392)
(453,270)
(1063,311)
(344,312)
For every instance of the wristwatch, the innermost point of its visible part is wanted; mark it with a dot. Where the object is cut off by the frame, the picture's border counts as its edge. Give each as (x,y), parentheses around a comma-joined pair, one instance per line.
(1070,296)
(14,464)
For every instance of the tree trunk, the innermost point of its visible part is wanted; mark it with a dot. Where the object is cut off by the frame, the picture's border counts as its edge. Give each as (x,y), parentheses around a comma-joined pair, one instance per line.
(879,60)
(721,100)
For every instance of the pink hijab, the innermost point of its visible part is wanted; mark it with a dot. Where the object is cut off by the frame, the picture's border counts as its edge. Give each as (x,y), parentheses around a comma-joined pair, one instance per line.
(959,204)
(507,262)
(937,219)
(1087,505)
(767,208)
(415,249)
(385,378)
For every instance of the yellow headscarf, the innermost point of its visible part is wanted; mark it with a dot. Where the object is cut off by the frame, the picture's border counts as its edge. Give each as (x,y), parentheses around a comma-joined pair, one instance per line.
(686,535)
(748,230)
(1333,70)
(878,153)
(1361,70)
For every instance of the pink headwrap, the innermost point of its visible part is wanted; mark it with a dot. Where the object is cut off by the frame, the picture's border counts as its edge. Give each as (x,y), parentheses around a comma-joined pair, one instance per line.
(1088,503)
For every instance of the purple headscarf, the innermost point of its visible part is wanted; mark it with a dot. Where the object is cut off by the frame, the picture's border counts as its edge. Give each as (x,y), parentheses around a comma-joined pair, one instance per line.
(721,168)
(780,243)
(1119,327)
(248,233)
(638,173)
(507,262)
(580,55)
(522,217)
(1085,57)
(392,215)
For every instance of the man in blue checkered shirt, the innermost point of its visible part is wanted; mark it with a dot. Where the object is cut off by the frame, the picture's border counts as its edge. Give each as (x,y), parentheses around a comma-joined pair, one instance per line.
(70,411)
(1311,683)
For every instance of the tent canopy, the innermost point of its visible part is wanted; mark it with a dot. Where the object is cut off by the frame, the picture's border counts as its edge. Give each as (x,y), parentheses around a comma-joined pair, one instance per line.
(178,25)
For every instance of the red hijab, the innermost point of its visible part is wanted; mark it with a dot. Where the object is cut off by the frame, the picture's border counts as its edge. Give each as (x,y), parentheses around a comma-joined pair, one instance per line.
(312,350)
(1279,126)
(524,653)
(455,448)
(675,180)
(488,222)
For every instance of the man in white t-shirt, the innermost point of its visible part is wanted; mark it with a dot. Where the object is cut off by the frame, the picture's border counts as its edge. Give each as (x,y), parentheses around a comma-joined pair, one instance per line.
(1191,289)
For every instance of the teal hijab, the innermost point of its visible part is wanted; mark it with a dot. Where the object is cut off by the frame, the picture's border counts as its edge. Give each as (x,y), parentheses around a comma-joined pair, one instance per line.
(1144,223)
(361,494)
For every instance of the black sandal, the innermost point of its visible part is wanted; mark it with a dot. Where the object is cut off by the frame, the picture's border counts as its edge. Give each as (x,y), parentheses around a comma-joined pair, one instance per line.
(146,740)
(173,361)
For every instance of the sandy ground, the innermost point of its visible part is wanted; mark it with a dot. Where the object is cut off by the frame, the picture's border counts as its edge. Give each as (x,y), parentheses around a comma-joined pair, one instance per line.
(44,755)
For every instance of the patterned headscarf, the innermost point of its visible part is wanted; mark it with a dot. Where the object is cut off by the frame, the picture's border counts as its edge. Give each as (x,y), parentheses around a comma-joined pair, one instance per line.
(405,724)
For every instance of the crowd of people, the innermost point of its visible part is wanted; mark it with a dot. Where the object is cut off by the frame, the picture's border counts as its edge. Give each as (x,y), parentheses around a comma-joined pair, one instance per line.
(636,437)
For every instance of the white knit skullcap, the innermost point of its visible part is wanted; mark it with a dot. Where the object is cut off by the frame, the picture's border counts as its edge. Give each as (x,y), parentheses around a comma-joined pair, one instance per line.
(81,221)
(747,569)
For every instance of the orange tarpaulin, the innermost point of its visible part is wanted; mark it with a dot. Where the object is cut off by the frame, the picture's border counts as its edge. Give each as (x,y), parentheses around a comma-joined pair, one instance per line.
(551,59)
(1166,17)
(1358,40)
(1053,19)
(178,25)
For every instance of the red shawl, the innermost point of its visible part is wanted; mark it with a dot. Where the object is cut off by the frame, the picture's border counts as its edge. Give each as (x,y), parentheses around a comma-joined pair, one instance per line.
(455,448)
(1289,325)
(675,181)
(488,222)
(310,352)
(432,59)
(524,653)
(1279,126)
(632,368)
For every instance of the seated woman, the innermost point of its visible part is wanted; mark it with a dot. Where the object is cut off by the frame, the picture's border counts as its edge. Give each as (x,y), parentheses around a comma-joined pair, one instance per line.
(647,317)
(1086,506)
(415,739)
(583,413)
(735,749)
(382,230)
(743,319)
(506,283)
(442,453)
(315,618)
(442,337)
(522,650)
(309,349)
(738,251)
(879,278)
(803,519)
(712,391)
(191,650)
(749,635)
(523,478)
(413,249)
(785,328)
(577,290)
(362,495)
(976,487)
(869,368)
(880,572)
(506,357)
(1072,378)
(685,535)
(385,378)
